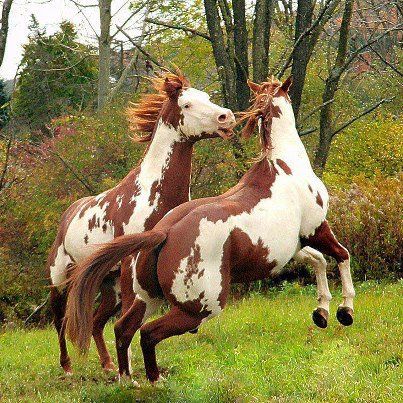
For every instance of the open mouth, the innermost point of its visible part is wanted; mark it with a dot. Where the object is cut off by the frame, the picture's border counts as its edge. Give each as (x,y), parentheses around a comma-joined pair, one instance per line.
(225,132)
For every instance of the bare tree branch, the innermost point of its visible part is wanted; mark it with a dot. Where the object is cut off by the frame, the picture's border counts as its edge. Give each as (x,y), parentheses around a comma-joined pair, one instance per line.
(179,27)
(73,172)
(359,50)
(308,31)
(135,12)
(86,18)
(6,161)
(84,5)
(37,310)
(307,131)
(313,111)
(133,60)
(394,68)
(363,113)
(140,48)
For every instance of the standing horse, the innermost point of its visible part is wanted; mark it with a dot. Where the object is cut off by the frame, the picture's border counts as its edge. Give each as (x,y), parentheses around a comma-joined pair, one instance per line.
(174,118)
(276,212)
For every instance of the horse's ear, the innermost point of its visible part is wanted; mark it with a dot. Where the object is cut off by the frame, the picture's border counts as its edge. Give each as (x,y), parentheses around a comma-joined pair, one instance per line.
(286,84)
(172,88)
(253,86)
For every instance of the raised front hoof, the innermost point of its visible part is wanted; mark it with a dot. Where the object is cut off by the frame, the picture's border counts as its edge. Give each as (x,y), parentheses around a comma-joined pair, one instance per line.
(320,317)
(345,315)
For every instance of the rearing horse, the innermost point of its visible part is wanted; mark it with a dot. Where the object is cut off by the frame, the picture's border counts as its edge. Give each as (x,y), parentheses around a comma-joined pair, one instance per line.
(174,118)
(250,232)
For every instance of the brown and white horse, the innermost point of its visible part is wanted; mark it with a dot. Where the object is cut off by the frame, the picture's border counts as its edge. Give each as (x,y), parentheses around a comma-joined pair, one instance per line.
(174,118)
(276,212)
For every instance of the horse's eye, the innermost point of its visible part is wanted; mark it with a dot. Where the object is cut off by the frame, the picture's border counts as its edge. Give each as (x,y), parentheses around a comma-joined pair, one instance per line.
(186,106)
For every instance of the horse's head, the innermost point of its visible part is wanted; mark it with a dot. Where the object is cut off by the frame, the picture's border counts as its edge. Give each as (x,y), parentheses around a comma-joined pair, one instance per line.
(270,99)
(193,114)
(187,110)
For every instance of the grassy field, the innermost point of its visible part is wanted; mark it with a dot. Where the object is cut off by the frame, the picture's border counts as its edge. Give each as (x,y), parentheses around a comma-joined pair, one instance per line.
(262,348)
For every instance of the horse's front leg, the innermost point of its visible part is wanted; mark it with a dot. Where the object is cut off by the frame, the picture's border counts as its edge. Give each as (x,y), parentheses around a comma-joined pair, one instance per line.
(311,256)
(324,240)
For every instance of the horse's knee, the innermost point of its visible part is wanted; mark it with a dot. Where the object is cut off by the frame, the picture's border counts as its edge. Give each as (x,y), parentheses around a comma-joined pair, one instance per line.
(147,337)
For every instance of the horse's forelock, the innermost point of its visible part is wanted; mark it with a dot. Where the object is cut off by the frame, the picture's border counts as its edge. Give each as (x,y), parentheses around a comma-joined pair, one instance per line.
(261,108)
(144,115)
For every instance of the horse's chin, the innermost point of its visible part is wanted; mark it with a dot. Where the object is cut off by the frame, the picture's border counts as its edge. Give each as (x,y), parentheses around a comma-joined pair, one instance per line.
(225,133)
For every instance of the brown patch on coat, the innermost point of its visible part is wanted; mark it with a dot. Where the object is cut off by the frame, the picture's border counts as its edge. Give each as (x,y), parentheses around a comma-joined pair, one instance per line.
(310,188)
(283,165)
(324,241)
(250,262)
(86,239)
(153,192)
(91,222)
(319,200)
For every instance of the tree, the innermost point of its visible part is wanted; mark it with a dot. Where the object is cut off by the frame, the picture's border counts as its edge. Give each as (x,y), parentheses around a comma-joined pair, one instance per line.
(58,75)
(4,107)
(344,58)
(105,38)
(104,46)
(4,27)
(307,33)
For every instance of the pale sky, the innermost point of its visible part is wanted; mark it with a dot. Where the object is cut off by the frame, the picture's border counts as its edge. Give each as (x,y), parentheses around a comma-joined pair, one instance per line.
(49,14)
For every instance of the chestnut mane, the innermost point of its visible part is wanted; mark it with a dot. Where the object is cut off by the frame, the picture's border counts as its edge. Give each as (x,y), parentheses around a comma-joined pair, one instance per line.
(261,108)
(144,115)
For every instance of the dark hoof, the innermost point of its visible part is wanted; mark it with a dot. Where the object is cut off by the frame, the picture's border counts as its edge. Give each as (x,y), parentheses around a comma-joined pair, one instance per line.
(194,331)
(319,317)
(345,315)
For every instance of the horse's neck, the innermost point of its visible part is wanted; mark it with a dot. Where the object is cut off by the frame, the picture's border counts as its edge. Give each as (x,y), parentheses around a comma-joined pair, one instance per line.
(167,166)
(286,142)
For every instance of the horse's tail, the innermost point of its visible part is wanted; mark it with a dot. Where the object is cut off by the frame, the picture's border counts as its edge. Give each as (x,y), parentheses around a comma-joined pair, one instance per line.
(88,277)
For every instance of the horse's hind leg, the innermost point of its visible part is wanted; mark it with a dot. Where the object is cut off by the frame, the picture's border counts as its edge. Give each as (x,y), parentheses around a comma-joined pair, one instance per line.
(108,307)
(58,306)
(174,323)
(311,256)
(127,325)
(324,240)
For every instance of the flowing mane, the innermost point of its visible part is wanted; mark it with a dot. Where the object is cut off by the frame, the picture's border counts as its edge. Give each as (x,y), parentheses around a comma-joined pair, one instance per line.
(261,109)
(144,115)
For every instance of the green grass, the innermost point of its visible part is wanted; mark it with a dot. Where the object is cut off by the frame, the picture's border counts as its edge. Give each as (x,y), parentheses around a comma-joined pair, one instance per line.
(262,348)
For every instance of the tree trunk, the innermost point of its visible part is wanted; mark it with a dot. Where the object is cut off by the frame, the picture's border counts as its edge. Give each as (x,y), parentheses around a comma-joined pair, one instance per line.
(302,53)
(241,53)
(104,52)
(4,28)
(261,39)
(332,82)
(225,69)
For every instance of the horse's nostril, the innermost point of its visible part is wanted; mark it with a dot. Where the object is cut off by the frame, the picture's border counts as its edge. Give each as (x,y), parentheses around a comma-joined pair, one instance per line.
(222,118)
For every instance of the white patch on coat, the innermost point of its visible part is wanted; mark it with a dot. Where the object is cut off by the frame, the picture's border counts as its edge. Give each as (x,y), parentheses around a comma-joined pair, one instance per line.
(58,269)
(152,171)
(119,201)
(152,304)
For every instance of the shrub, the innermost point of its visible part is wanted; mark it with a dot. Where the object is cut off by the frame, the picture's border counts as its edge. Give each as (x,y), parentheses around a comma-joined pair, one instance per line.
(365,148)
(367,219)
